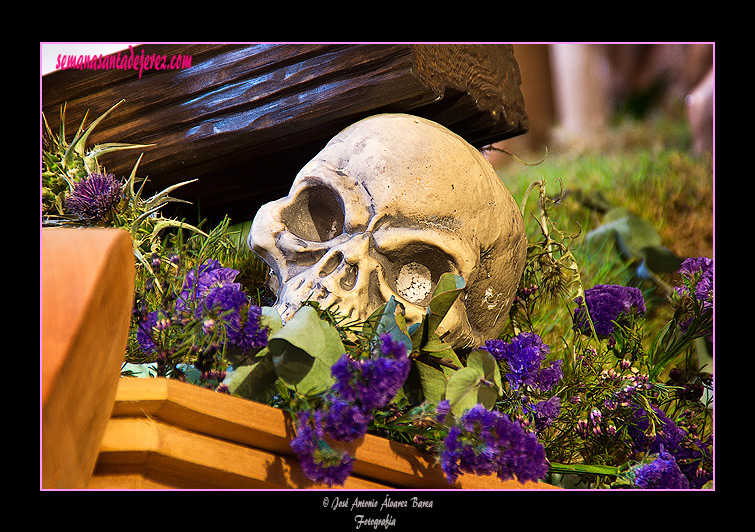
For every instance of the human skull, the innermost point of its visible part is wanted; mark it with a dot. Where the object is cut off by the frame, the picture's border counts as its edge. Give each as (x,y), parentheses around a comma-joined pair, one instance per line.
(391,203)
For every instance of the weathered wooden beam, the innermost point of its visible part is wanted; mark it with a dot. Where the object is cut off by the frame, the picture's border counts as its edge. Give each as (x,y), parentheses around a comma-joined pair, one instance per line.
(242,119)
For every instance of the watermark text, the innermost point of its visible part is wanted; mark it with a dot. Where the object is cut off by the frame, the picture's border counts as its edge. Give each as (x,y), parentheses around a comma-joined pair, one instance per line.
(126,60)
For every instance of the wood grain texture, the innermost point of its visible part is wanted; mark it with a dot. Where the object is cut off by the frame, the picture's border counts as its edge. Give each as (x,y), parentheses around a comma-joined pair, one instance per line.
(87,294)
(243,119)
(168,434)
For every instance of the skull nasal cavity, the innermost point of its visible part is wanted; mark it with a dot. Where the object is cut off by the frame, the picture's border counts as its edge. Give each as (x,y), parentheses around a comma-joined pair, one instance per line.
(316,214)
(346,274)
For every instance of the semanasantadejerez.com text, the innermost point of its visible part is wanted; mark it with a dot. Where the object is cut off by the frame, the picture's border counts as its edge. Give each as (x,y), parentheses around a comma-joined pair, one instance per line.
(126,60)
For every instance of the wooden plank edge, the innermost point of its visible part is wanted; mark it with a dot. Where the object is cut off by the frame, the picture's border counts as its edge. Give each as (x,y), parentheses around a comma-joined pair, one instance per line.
(138,452)
(270,429)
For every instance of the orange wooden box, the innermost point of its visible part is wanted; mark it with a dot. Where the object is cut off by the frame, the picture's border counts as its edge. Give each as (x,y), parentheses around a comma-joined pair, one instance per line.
(87,284)
(168,434)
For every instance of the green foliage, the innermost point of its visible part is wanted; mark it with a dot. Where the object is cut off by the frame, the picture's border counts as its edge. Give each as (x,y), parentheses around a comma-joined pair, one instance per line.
(301,351)
(478,382)
(300,354)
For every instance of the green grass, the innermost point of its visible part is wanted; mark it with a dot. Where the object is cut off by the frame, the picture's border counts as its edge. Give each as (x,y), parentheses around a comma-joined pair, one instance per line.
(647,167)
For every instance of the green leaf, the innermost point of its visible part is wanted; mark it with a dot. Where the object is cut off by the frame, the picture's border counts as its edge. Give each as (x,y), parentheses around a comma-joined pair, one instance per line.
(80,139)
(637,239)
(91,158)
(303,350)
(487,365)
(462,390)
(660,259)
(583,469)
(450,358)
(389,319)
(446,292)
(433,382)
(271,319)
(479,382)
(423,334)
(434,345)
(255,381)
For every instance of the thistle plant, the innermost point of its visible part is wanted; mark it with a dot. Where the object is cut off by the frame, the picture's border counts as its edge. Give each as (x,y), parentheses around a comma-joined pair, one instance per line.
(65,165)
(77,190)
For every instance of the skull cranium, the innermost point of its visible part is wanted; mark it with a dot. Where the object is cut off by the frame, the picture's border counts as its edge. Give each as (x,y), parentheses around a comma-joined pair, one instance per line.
(391,203)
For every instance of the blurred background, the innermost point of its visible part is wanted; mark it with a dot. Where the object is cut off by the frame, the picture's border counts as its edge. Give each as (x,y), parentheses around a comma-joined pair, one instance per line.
(574,91)
(620,128)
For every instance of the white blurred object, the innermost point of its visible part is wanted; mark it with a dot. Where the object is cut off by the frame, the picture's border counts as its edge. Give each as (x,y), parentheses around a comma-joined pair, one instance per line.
(700,102)
(580,79)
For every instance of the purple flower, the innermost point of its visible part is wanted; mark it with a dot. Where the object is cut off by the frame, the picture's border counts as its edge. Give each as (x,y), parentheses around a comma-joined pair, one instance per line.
(253,335)
(391,348)
(319,462)
(308,432)
(662,473)
(699,272)
(666,436)
(145,331)
(345,421)
(691,456)
(523,456)
(549,376)
(211,275)
(484,442)
(607,304)
(470,446)
(525,355)
(345,371)
(546,412)
(95,196)
(361,386)
(371,383)
(381,379)
(442,410)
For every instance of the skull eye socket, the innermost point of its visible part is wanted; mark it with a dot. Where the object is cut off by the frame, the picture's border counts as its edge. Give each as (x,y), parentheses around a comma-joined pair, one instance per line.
(315,215)
(414,282)
(415,271)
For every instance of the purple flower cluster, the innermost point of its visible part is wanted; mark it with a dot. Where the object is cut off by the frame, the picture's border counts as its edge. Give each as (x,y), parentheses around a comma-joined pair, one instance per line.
(524,356)
(662,473)
(319,461)
(546,412)
(148,328)
(607,304)
(210,295)
(695,461)
(666,436)
(484,442)
(689,453)
(361,386)
(211,291)
(207,284)
(95,196)
(698,274)
(371,383)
